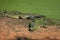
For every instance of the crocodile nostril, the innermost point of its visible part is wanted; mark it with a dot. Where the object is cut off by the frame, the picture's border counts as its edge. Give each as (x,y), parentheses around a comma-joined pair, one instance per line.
(20,17)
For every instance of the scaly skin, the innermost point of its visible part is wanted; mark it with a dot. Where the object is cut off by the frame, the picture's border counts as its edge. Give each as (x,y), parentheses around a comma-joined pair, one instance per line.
(36,18)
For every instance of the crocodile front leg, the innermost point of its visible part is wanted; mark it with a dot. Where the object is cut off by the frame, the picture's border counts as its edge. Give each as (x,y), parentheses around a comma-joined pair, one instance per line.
(35,24)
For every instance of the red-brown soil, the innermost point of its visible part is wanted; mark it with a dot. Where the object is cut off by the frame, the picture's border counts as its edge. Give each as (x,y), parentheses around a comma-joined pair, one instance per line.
(10,29)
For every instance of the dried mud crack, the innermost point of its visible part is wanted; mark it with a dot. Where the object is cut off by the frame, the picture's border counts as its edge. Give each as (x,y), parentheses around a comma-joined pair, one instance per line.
(17,29)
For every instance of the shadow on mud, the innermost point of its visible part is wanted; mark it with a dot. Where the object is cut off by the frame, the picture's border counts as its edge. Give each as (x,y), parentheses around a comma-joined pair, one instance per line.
(24,38)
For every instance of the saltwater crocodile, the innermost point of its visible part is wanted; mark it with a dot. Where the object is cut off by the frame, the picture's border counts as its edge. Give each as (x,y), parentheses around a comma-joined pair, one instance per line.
(33,25)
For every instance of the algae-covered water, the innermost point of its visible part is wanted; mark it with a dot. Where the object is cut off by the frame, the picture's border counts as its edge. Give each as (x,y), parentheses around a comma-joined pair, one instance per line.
(49,8)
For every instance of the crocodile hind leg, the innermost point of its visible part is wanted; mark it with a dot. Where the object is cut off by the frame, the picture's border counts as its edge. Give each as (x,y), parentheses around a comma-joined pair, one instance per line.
(44,24)
(33,25)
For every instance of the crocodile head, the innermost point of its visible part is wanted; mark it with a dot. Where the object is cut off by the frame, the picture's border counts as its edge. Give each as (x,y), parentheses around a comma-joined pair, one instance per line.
(12,14)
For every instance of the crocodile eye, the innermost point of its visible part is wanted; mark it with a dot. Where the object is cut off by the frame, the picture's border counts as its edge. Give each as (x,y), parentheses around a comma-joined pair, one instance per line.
(20,17)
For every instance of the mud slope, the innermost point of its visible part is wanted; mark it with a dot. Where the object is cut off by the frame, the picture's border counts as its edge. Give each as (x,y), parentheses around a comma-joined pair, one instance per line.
(16,29)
